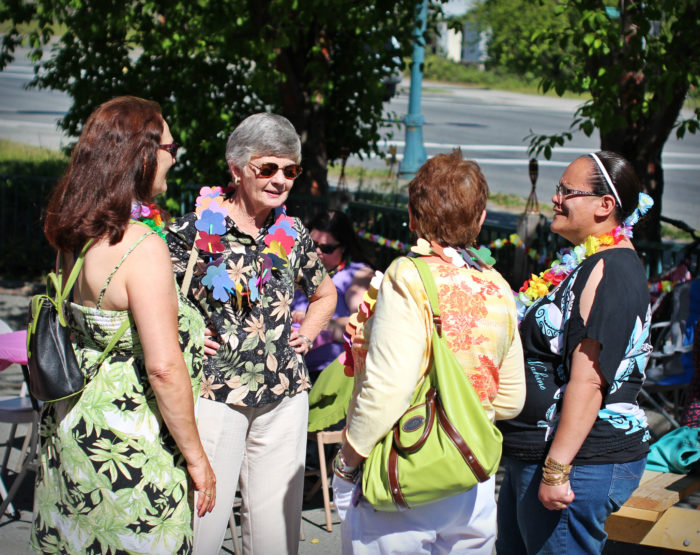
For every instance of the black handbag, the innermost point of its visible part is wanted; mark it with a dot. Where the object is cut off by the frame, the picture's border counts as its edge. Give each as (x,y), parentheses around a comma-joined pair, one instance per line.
(53,370)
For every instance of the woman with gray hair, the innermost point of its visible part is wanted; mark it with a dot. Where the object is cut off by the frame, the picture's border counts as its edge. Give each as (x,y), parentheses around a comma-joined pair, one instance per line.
(246,258)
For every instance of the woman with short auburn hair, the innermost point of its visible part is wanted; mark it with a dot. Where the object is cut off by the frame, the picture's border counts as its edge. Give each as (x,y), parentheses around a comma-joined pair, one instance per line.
(449,212)
(392,352)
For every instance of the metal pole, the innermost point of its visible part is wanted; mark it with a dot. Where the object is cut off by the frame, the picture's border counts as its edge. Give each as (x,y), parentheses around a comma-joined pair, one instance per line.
(414,152)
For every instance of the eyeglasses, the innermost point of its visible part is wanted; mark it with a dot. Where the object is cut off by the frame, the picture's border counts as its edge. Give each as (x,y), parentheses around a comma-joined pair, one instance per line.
(327,248)
(171,148)
(561,191)
(268,169)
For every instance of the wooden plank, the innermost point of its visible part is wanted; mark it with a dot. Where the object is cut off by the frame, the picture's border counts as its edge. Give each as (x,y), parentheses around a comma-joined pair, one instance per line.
(637,514)
(677,529)
(624,526)
(663,490)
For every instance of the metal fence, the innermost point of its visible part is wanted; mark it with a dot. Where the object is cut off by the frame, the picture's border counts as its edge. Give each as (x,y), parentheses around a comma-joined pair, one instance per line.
(25,253)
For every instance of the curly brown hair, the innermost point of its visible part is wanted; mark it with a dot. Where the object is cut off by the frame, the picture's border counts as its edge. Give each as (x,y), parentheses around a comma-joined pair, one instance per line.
(113,164)
(446,199)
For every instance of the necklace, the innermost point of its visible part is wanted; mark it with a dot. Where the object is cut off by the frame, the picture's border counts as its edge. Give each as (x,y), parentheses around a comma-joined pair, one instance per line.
(338,268)
(149,214)
(566,262)
(459,257)
(279,240)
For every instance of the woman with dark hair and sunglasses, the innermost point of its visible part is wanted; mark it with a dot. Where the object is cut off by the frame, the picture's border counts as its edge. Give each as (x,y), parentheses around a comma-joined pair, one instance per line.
(248,256)
(117,460)
(578,449)
(340,253)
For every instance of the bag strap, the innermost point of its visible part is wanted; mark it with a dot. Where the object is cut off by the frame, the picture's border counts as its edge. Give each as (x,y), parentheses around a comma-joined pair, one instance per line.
(430,289)
(55,281)
(190,267)
(115,339)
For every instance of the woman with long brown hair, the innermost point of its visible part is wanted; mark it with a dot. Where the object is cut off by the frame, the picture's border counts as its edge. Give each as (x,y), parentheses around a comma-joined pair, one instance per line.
(119,461)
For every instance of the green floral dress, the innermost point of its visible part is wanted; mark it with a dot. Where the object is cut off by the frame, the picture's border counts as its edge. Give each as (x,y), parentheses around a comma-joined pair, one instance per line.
(111,478)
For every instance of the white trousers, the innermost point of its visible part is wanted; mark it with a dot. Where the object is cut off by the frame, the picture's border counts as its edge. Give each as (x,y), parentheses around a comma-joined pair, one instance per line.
(465,523)
(267,446)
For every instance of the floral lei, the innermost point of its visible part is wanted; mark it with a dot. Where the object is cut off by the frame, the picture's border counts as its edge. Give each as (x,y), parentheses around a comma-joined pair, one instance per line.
(567,260)
(211,216)
(477,259)
(149,214)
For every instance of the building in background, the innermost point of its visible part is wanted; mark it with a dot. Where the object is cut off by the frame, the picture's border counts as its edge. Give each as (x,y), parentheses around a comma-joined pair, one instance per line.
(467,46)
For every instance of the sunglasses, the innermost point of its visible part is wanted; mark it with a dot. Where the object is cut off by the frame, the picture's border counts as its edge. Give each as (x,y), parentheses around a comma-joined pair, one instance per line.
(171,148)
(268,169)
(561,191)
(327,248)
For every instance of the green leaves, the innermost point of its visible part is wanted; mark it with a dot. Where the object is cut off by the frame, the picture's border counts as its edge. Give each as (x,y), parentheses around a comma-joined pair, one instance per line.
(211,63)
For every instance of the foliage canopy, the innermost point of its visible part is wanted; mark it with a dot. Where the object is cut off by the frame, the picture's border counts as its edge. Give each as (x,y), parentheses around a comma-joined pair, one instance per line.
(637,60)
(211,63)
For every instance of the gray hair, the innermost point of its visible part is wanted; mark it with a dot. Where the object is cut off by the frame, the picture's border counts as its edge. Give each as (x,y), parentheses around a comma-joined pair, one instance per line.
(263,134)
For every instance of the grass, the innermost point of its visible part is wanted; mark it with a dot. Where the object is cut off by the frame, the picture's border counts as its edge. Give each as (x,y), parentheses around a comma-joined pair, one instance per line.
(20,159)
(443,70)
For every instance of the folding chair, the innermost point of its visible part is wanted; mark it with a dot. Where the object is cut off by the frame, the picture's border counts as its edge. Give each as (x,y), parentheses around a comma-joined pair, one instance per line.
(667,376)
(323,439)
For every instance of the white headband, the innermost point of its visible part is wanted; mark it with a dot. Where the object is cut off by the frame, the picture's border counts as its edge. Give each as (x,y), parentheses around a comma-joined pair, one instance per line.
(606,175)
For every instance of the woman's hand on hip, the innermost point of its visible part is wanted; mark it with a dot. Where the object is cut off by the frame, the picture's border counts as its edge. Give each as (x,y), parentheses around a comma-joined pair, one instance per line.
(210,346)
(299,342)
(556,498)
(204,480)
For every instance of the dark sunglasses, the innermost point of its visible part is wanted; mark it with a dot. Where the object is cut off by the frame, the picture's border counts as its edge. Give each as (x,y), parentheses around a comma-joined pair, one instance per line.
(268,169)
(562,191)
(171,148)
(327,248)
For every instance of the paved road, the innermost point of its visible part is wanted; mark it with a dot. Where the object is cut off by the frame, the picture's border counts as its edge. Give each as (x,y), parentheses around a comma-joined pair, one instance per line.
(489,126)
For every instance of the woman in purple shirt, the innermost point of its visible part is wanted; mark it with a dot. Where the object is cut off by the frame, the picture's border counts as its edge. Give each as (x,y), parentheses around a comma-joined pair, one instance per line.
(340,253)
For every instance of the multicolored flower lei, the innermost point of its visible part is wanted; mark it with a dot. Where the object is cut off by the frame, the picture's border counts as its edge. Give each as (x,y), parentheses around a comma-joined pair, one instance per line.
(477,259)
(149,214)
(279,241)
(357,322)
(567,260)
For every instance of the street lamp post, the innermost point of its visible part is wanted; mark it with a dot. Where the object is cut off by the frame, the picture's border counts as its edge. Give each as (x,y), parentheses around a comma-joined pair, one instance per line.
(414,152)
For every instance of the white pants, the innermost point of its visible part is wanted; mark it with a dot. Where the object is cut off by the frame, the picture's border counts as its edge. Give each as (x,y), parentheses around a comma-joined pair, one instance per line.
(465,523)
(267,446)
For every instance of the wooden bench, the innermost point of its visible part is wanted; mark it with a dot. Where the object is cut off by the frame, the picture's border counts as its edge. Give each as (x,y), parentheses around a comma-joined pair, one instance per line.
(650,518)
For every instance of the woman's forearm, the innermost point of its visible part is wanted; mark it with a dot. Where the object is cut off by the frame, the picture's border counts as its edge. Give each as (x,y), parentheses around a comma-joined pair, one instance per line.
(583,398)
(173,390)
(321,308)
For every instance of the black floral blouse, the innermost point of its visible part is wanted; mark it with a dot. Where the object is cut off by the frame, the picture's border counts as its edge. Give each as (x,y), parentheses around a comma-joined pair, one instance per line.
(255,364)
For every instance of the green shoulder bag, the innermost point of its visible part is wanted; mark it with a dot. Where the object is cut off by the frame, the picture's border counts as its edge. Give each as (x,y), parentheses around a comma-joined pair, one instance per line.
(444,444)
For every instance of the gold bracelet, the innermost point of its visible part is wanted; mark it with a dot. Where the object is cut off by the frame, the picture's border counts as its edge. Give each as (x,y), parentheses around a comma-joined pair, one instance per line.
(554,479)
(551,464)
